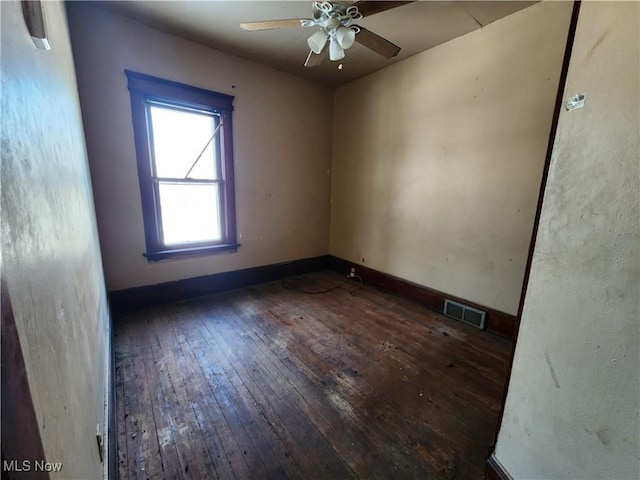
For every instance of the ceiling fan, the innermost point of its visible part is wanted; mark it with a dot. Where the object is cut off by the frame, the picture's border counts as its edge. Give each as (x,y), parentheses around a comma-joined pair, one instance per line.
(337,32)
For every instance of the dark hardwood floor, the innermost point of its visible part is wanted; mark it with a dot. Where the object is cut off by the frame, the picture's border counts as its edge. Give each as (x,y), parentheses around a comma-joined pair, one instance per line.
(268,382)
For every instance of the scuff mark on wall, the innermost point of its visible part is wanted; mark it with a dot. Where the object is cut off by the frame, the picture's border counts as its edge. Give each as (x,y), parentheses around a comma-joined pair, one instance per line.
(552,371)
(603,436)
(597,43)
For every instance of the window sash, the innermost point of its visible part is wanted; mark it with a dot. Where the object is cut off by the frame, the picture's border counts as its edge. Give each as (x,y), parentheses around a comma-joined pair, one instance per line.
(221,217)
(216,141)
(218,215)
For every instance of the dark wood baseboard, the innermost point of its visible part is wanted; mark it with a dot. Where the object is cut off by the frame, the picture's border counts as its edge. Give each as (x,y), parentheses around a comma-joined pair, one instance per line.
(497,322)
(495,471)
(139,297)
(146,296)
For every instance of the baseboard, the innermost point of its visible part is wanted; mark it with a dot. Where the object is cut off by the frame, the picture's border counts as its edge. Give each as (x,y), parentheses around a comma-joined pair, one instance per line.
(496,322)
(139,297)
(495,471)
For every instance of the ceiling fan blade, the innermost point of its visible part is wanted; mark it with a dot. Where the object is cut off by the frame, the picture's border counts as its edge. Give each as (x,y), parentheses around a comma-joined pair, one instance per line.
(315,59)
(370,7)
(271,24)
(376,43)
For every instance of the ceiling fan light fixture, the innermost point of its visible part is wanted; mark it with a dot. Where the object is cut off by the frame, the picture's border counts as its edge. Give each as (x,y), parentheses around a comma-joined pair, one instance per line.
(317,41)
(336,52)
(345,37)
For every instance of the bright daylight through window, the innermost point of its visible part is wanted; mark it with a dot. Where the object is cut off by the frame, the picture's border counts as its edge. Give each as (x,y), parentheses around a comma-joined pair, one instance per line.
(185,170)
(185,166)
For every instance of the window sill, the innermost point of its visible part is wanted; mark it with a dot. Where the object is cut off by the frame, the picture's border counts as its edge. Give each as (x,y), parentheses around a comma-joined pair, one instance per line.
(190,251)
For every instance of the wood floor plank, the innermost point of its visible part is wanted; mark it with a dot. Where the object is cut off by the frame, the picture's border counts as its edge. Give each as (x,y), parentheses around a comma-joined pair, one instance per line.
(209,412)
(344,377)
(268,382)
(412,354)
(179,389)
(314,454)
(321,373)
(120,358)
(257,453)
(311,400)
(175,468)
(257,409)
(406,350)
(164,431)
(146,435)
(346,400)
(142,448)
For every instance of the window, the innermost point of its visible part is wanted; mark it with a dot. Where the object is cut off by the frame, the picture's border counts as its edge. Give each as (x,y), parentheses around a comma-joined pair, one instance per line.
(183,139)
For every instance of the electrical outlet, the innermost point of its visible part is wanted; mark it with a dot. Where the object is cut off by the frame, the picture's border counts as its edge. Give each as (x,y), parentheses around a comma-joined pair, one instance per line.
(352,273)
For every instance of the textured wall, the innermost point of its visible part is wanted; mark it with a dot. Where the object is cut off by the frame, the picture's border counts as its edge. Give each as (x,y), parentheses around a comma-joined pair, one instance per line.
(50,255)
(438,159)
(282,148)
(573,405)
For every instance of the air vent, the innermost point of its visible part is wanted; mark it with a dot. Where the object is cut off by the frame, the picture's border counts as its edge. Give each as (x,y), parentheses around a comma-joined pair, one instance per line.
(464,313)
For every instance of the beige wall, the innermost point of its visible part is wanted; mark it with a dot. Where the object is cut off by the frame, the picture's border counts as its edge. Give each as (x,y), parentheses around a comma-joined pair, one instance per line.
(282,146)
(573,404)
(50,256)
(437,160)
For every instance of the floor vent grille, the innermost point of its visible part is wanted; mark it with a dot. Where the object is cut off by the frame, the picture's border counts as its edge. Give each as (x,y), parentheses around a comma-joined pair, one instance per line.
(464,313)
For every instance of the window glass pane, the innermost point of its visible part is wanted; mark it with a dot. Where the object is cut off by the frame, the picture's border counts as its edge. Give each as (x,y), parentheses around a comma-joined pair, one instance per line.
(179,137)
(190,213)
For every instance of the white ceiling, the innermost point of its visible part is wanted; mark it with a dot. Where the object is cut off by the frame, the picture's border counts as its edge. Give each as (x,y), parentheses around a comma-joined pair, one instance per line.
(414,27)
